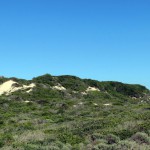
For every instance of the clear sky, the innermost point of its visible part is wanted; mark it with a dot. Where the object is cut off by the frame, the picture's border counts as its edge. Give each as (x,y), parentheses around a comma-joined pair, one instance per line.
(98,39)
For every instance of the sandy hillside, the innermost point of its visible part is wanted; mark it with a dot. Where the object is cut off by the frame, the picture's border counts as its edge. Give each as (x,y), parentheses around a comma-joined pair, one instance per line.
(12,86)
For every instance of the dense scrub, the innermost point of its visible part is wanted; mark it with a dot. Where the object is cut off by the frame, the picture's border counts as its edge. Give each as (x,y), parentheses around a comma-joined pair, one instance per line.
(109,119)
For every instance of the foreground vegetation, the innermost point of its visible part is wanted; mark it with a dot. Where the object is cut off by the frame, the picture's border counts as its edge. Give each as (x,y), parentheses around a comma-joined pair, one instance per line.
(117,117)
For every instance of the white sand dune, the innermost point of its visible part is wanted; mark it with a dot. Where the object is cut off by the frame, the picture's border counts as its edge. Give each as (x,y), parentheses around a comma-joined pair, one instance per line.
(107,104)
(11,86)
(59,87)
(92,89)
(83,93)
(95,104)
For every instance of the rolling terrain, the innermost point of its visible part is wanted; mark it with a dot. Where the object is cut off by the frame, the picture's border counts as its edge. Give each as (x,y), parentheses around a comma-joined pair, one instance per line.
(70,113)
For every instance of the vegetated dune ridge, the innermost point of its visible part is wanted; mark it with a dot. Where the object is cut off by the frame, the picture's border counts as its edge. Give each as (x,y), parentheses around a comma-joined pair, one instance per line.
(70,113)
(72,83)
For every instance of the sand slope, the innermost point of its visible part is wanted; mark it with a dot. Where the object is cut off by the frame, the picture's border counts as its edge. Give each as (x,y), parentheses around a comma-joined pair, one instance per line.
(11,86)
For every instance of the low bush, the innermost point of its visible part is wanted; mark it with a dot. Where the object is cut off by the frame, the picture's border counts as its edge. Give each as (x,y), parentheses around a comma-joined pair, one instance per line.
(141,138)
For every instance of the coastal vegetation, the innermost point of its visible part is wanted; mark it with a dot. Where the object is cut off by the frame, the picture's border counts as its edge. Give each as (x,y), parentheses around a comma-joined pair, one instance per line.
(69,113)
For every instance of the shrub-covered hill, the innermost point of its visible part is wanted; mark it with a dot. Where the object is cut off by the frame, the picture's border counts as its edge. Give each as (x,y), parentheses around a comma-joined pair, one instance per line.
(69,113)
(49,86)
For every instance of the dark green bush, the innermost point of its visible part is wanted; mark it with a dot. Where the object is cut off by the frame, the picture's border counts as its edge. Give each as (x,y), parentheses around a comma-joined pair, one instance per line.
(45,79)
(72,83)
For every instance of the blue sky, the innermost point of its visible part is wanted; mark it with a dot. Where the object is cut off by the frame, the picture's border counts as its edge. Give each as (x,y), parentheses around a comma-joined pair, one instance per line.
(98,39)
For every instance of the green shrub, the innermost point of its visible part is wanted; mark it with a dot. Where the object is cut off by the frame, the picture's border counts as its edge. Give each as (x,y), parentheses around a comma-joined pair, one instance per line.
(45,79)
(141,138)
(102,146)
(72,83)
(123,145)
(66,136)
(1,143)
(124,134)
(111,139)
